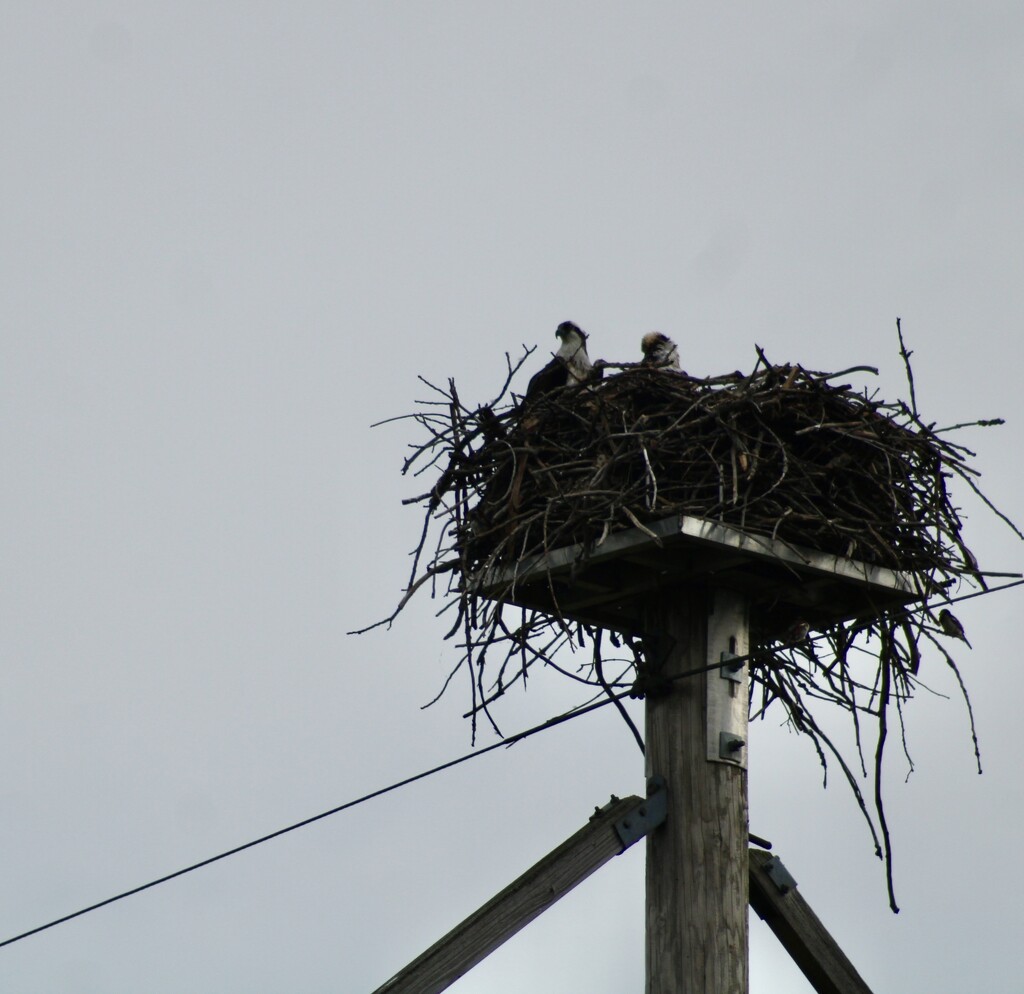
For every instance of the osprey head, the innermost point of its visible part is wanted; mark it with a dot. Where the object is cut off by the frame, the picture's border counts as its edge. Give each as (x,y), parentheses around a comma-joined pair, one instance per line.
(653,341)
(567,328)
(659,351)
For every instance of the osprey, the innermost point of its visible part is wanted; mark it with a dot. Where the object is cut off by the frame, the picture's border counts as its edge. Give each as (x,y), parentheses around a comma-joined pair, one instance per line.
(659,350)
(569,366)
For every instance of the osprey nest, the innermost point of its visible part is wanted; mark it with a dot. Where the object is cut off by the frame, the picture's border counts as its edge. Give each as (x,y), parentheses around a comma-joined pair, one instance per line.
(784,453)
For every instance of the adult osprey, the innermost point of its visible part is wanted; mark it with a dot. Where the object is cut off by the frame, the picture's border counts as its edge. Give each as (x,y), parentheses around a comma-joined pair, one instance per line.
(569,366)
(659,350)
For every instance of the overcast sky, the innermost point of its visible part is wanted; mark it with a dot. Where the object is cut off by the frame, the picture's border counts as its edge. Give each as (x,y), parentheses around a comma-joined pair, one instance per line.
(233,234)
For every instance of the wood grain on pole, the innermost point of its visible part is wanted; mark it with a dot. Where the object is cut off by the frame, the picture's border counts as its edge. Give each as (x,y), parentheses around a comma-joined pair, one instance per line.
(697,868)
(516,906)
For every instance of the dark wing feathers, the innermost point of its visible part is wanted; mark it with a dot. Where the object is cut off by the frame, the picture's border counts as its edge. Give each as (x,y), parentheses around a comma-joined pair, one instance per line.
(552,376)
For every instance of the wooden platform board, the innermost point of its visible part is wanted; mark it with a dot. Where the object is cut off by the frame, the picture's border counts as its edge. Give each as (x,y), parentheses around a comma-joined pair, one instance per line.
(609,585)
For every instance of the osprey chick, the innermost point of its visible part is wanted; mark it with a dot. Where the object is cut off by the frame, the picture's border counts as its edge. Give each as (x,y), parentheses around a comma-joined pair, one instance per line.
(569,366)
(659,350)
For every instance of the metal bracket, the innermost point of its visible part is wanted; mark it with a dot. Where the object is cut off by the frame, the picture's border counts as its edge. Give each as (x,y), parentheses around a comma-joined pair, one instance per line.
(634,826)
(729,669)
(600,810)
(730,746)
(779,875)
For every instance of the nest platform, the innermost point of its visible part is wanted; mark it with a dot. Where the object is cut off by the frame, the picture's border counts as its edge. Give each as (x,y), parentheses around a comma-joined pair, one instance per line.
(553,521)
(611,586)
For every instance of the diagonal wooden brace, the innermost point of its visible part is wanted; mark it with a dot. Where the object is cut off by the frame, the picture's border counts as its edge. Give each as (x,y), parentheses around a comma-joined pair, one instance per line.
(612,830)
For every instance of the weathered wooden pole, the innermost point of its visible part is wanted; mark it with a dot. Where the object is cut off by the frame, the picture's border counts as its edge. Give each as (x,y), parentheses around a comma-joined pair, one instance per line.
(697,865)
(689,585)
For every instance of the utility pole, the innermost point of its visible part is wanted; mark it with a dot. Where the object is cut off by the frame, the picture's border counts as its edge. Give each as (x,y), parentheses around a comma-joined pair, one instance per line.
(697,864)
(689,586)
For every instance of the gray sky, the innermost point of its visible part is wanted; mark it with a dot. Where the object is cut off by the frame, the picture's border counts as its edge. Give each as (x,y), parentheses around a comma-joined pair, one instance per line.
(233,235)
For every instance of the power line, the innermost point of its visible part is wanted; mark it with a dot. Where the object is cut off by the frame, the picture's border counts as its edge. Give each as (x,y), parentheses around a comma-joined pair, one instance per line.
(981,593)
(509,741)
